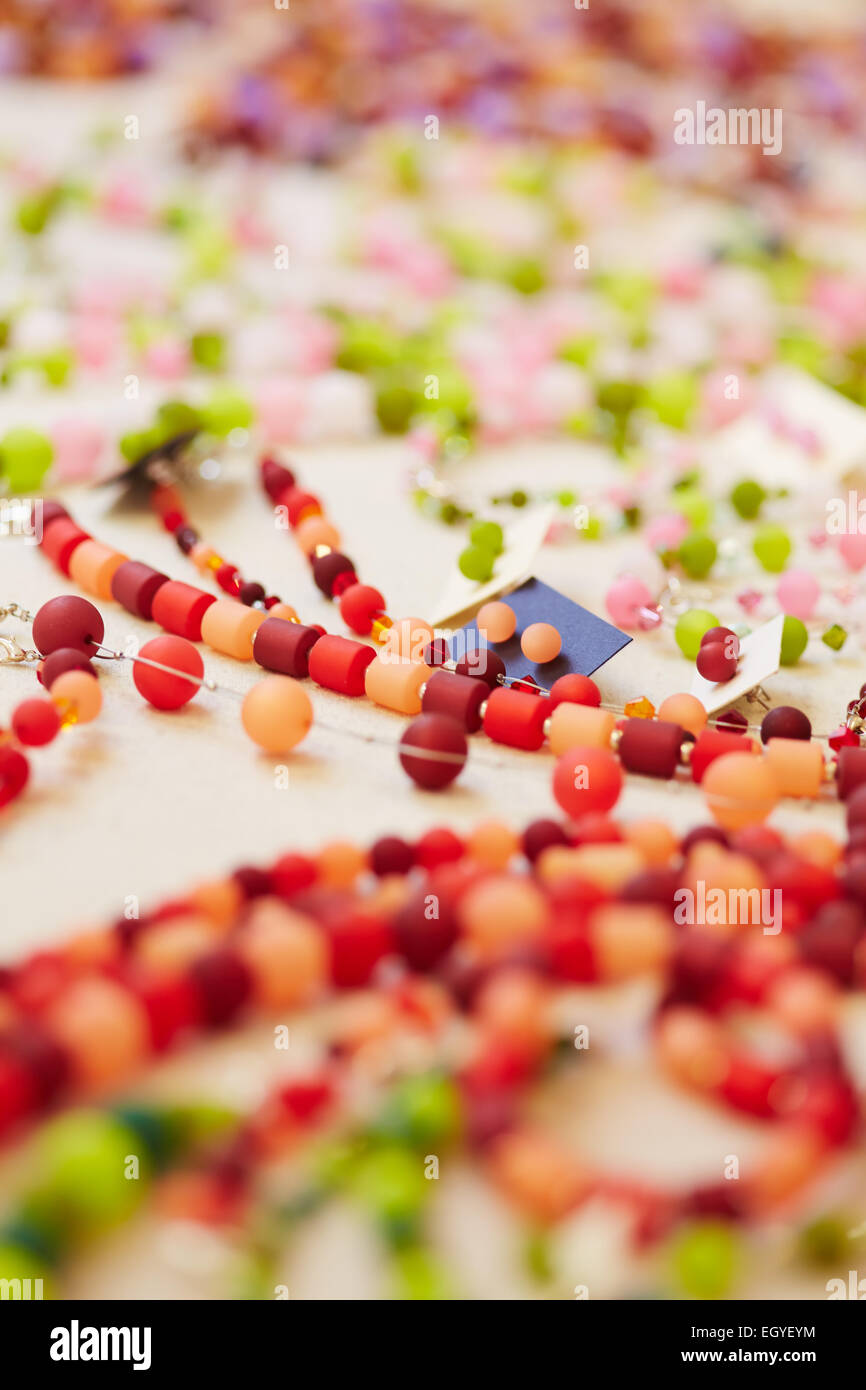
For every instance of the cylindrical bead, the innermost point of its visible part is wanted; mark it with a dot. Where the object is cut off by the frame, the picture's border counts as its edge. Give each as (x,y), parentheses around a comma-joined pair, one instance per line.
(461,697)
(134,585)
(179,608)
(515,718)
(60,539)
(712,744)
(797,766)
(651,746)
(395,684)
(850,771)
(338,663)
(285,647)
(92,566)
(229,627)
(573,726)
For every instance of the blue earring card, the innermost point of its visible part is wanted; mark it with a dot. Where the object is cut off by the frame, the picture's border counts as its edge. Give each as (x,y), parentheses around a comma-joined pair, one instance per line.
(587,640)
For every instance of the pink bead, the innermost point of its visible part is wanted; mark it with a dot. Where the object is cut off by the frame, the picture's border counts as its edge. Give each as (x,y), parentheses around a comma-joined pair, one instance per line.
(280,411)
(624,600)
(720,406)
(167,358)
(666,532)
(77,447)
(541,643)
(798,592)
(852,548)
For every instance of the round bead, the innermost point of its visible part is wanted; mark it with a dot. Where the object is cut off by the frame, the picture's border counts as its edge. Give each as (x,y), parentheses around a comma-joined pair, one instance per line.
(436,653)
(476,562)
(575,690)
(481,664)
(316,531)
(277,714)
(285,953)
(624,600)
(690,628)
(785,721)
(500,912)
(359,605)
(795,638)
(587,779)
(852,548)
(540,643)
(496,622)
(714,663)
(443,740)
(407,638)
(697,554)
(492,843)
(327,568)
(772,546)
(35,722)
(740,790)
(391,855)
(159,688)
(68,621)
(103,1027)
(685,710)
(80,693)
(798,592)
(14,772)
(726,636)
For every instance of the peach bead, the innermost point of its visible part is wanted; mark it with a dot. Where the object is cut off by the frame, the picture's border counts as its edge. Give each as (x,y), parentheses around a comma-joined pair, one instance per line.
(316,531)
(388,895)
(789,1159)
(574,726)
(608,865)
(513,1004)
(78,693)
(555,863)
(492,843)
(396,684)
(96,947)
(92,567)
(818,847)
(691,1047)
(805,1001)
(169,947)
(538,1174)
(685,710)
(104,1028)
(339,863)
(218,899)
(286,953)
(284,611)
(202,557)
(740,790)
(499,912)
(408,638)
(655,840)
(496,621)
(797,765)
(229,627)
(276,713)
(630,939)
(541,642)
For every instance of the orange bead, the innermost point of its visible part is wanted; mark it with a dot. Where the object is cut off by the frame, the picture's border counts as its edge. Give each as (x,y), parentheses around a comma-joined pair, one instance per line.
(691,1047)
(168,947)
(789,1159)
(513,1004)
(540,643)
(396,684)
(316,531)
(229,627)
(740,790)
(655,840)
(818,847)
(573,726)
(492,843)
(499,912)
(339,863)
(496,622)
(218,899)
(77,696)
(284,611)
(630,939)
(805,1001)
(104,1028)
(538,1174)
(685,710)
(203,557)
(408,638)
(96,947)
(277,713)
(608,865)
(92,567)
(796,764)
(286,953)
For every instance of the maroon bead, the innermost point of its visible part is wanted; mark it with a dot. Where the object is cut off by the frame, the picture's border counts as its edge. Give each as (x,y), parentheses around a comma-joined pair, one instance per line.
(850,771)
(284,647)
(186,537)
(391,855)
(830,940)
(480,663)
(854,877)
(459,697)
(726,635)
(425,927)
(855,808)
(251,592)
(63,659)
(444,739)
(275,478)
(539,836)
(437,652)
(252,881)
(694,837)
(715,663)
(51,510)
(326,569)
(785,721)
(651,746)
(223,983)
(133,586)
(654,885)
(68,621)
(700,959)
(718,1199)
(45,1060)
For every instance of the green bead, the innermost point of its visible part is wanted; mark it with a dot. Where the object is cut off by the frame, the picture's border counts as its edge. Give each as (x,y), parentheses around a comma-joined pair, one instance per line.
(395,406)
(693,505)
(420,1277)
(211,250)
(794,640)
(82,1162)
(690,628)
(772,546)
(391,1183)
(618,397)
(476,562)
(137,443)
(18,1263)
(488,535)
(367,345)
(835,637)
(422,1110)
(672,398)
(518,498)
(697,554)
(825,1240)
(25,456)
(747,498)
(566,499)
(57,365)
(226,410)
(705,1258)
(208,350)
(176,417)
(593,529)
(526,275)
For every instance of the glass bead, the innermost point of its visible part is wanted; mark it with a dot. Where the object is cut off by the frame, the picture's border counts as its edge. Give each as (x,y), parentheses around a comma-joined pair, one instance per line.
(835,637)
(639,709)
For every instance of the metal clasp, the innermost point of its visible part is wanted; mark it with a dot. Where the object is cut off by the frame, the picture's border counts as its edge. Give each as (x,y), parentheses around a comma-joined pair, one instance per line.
(10,650)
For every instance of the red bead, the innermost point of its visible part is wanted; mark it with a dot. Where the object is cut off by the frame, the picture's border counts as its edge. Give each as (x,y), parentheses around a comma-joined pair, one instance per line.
(587,779)
(172,521)
(850,771)
(391,855)
(17,1093)
(284,647)
(292,873)
(51,510)
(14,771)
(358,940)
(275,477)
(60,539)
(830,941)
(421,936)
(68,621)
(732,722)
(801,882)
(344,580)
(576,690)
(459,697)
(338,663)
(223,984)
(438,846)
(305,1099)
(825,1102)
(712,744)
(651,746)
(436,653)
(444,740)
(35,722)
(172,1006)
(855,808)
(515,718)
(296,502)
(226,577)
(570,947)
(179,608)
(359,605)
(63,659)
(725,635)
(159,688)
(715,662)
(134,585)
(45,1061)
(842,738)
(750,1086)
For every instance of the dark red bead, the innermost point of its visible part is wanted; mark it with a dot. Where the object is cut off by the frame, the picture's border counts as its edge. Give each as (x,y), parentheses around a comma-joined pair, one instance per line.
(751,1086)
(785,721)
(49,510)
(359,940)
(251,592)
(571,955)
(458,697)
(654,885)
(391,855)
(68,621)
(17,1093)
(651,746)
(850,770)
(252,881)
(275,477)
(830,941)
(539,836)
(186,537)
(284,647)
(14,772)
(732,722)
(133,586)
(855,808)
(327,568)
(425,927)
(436,653)
(759,842)
(694,837)
(481,664)
(223,984)
(444,740)
(46,1061)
